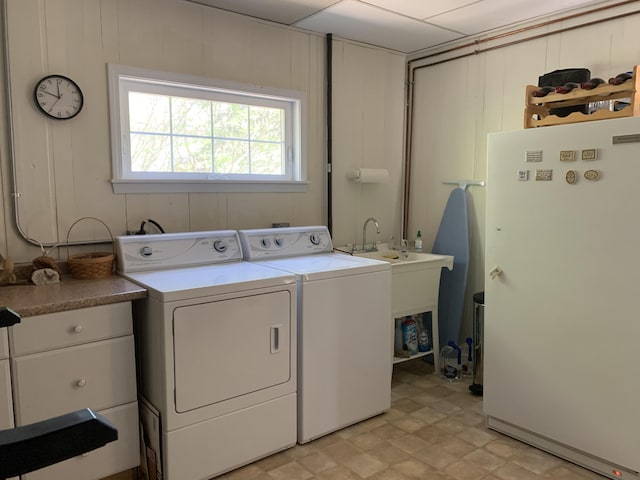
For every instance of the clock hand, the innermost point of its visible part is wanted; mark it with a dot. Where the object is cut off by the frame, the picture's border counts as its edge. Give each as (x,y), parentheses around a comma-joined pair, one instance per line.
(58,87)
(52,94)
(54,104)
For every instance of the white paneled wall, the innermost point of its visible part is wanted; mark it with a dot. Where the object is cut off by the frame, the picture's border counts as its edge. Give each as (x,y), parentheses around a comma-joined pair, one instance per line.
(368,97)
(64,168)
(459,102)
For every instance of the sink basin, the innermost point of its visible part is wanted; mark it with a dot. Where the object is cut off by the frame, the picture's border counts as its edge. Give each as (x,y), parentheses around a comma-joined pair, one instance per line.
(415,280)
(396,257)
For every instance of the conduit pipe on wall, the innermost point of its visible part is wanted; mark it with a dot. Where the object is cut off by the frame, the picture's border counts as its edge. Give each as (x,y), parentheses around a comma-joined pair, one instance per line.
(411,69)
(329,68)
(9,119)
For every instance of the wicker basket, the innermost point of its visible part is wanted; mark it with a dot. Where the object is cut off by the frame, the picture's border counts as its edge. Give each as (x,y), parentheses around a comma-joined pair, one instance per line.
(87,266)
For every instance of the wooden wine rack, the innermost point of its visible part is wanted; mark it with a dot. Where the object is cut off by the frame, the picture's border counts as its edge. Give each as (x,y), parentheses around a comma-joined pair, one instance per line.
(536,112)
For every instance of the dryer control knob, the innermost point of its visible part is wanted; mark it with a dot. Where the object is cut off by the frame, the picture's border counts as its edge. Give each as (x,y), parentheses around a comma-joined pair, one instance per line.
(146,251)
(278,241)
(219,246)
(265,242)
(315,238)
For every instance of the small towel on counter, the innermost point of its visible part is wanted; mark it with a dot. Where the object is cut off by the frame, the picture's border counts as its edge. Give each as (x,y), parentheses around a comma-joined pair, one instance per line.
(45,276)
(44,262)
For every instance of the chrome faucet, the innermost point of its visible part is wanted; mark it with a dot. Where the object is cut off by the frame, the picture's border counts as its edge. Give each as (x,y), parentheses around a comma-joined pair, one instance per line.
(364,234)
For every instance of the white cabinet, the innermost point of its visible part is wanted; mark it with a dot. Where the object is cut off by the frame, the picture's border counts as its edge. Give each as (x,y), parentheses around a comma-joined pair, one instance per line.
(73,327)
(415,288)
(6,406)
(96,375)
(66,361)
(114,457)
(4,345)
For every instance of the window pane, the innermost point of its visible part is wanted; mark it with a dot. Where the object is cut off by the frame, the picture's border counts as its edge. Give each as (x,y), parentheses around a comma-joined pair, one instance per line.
(267,158)
(150,153)
(267,123)
(148,113)
(230,120)
(191,116)
(198,132)
(231,156)
(192,155)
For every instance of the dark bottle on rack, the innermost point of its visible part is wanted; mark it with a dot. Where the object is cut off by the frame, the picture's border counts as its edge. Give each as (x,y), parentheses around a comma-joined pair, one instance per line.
(567,87)
(543,92)
(592,83)
(620,78)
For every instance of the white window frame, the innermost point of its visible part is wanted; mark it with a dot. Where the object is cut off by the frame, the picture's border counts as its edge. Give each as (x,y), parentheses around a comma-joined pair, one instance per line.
(123,79)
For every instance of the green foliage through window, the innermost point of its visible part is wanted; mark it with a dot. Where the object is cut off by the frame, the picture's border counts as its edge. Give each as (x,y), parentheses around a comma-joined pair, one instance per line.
(175,132)
(189,135)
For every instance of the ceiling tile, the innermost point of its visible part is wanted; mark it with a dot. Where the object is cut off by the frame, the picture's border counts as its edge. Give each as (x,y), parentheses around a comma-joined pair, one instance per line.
(420,10)
(396,24)
(490,14)
(366,23)
(281,11)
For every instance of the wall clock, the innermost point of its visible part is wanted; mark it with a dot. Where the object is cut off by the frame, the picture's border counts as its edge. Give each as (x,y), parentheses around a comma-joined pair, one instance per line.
(58,97)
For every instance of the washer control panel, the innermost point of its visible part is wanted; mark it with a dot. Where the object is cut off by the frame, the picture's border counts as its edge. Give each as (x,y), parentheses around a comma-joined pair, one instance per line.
(260,244)
(137,253)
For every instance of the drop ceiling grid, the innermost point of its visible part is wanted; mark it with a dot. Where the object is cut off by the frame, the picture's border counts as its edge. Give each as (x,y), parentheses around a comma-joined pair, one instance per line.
(401,25)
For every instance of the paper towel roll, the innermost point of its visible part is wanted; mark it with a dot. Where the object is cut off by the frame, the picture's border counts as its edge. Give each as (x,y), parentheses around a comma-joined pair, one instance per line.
(369,175)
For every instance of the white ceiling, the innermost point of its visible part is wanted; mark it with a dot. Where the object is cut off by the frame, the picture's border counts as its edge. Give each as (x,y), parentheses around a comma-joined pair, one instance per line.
(402,25)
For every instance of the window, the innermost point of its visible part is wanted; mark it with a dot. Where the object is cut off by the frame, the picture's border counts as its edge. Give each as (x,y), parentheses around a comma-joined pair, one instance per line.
(174,133)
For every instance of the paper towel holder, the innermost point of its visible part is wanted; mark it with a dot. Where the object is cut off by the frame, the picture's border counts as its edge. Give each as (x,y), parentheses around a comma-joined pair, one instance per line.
(368,175)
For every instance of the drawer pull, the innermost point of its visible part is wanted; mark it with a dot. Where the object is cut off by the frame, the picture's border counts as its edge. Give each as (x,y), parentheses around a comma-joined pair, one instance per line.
(81,383)
(77,329)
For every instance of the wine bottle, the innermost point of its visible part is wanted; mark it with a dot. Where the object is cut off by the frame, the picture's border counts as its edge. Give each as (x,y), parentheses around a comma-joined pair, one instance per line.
(620,78)
(567,87)
(592,83)
(544,91)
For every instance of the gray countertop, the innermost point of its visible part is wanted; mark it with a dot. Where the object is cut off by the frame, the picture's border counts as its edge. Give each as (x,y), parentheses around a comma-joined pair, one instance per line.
(69,294)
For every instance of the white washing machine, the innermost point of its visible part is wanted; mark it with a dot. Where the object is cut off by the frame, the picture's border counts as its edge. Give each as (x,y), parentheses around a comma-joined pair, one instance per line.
(345,337)
(216,342)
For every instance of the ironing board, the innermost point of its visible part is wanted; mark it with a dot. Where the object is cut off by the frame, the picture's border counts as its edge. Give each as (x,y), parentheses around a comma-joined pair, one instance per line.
(453,239)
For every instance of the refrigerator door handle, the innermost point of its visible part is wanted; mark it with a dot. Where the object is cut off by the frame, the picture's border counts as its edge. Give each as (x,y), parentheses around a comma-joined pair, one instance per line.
(497,271)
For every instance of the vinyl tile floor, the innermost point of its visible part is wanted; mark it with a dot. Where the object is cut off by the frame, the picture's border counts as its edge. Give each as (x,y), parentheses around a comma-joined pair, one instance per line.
(433,431)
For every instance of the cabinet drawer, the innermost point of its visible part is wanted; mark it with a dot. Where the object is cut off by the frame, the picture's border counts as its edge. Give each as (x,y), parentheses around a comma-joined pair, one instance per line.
(114,457)
(98,375)
(73,327)
(6,407)
(4,345)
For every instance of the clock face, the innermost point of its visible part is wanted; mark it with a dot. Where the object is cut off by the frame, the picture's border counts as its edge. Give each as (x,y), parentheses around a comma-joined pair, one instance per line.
(58,97)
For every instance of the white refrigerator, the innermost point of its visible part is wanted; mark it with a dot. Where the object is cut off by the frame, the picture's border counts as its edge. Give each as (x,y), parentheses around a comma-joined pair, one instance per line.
(562,291)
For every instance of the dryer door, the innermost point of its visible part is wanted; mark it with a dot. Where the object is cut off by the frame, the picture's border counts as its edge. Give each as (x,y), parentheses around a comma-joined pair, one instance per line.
(231,347)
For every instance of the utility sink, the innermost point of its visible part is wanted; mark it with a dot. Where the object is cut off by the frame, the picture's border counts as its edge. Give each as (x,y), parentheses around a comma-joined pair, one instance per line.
(415,279)
(395,256)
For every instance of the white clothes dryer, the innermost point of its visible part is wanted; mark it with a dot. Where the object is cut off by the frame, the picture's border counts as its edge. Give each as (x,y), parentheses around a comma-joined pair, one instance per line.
(345,333)
(216,342)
